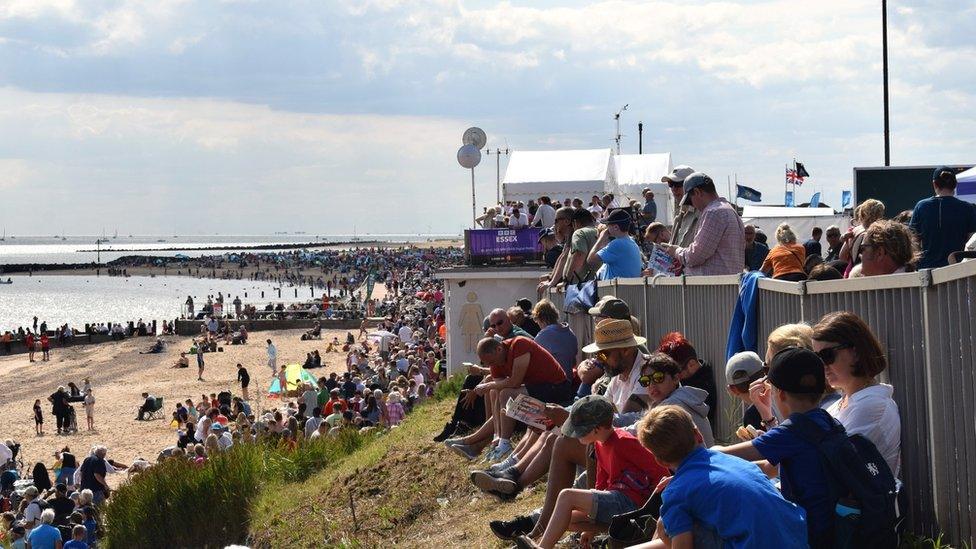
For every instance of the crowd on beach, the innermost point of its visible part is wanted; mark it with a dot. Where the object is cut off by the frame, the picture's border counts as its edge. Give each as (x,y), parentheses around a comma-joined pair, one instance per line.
(624,438)
(390,368)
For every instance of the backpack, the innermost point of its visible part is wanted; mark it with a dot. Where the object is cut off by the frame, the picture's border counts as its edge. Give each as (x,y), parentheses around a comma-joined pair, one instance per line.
(860,481)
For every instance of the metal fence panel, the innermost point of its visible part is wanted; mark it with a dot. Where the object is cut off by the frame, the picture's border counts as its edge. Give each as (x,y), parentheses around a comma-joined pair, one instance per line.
(775,309)
(631,291)
(664,309)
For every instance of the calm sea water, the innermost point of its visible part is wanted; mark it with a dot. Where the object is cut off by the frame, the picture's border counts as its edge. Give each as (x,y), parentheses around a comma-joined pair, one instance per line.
(52,249)
(80,299)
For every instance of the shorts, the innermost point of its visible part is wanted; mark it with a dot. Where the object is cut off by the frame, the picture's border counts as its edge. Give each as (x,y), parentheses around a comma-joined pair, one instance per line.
(560,393)
(608,504)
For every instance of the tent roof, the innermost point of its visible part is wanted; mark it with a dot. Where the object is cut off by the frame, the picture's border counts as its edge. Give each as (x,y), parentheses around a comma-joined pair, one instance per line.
(751,212)
(641,169)
(558,166)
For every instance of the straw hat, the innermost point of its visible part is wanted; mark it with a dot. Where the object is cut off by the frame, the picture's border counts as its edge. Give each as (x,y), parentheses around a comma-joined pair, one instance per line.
(613,334)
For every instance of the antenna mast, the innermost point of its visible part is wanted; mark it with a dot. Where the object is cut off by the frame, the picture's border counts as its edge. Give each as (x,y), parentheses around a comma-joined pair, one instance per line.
(616,119)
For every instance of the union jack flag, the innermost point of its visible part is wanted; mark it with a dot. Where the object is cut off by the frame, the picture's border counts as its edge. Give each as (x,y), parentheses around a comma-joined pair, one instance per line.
(793,177)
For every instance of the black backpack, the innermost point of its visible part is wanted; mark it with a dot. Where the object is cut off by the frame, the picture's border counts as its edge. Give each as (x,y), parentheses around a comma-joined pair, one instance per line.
(860,480)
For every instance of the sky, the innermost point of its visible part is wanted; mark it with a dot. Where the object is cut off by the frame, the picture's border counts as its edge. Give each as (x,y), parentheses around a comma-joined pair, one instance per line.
(247,117)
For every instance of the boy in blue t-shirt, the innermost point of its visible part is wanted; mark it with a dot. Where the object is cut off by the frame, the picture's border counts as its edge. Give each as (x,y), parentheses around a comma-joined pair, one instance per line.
(79,537)
(797,378)
(714,500)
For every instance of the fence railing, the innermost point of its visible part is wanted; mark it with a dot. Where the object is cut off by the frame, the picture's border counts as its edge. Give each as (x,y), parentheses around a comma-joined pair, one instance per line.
(925,321)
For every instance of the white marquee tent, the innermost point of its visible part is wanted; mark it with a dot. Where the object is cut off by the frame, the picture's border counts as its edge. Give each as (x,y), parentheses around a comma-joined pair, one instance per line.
(967,185)
(558,174)
(802,220)
(636,172)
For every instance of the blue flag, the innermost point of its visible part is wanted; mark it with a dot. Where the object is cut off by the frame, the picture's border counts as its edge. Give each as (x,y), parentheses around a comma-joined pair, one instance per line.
(845,199)
(815,200)
(747,193)
(789,199)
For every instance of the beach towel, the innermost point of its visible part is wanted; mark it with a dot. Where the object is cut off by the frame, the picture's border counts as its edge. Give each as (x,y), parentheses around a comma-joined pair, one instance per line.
(295,375)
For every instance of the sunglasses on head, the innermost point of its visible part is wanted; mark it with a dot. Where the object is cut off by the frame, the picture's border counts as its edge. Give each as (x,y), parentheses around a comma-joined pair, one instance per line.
(656,377)
(829,355)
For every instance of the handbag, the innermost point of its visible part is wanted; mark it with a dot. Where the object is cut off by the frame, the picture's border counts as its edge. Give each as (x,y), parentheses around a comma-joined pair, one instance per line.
(580,297)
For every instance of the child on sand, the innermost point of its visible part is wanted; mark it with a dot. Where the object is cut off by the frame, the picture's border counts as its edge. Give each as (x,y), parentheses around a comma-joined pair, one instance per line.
(38,418)
(90,408)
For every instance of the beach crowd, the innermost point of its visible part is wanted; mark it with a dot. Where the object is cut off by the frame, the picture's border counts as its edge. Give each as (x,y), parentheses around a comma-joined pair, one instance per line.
(390,368)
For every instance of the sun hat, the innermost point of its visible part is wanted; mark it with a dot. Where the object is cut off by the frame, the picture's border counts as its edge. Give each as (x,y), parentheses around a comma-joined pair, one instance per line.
(611,307)
(742,366)
(678,174)
(611,333)
(691,183)
(797,370)
(587,414)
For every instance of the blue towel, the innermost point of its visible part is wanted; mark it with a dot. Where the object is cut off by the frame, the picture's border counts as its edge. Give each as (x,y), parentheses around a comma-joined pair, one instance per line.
(743,331)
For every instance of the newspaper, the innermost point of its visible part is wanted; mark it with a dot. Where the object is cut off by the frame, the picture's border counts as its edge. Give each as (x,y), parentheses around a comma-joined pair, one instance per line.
(659,262)
(528,410)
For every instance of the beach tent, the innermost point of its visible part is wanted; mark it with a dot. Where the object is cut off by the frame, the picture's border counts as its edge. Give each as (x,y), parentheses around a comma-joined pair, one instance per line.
(558,174)
(636,172)
(294,375)
(802,220)
(966,185)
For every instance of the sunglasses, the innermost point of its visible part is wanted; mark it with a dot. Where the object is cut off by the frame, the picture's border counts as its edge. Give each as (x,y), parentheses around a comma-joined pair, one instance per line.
(656,377)
(496,324)
(829,355)
(602,356)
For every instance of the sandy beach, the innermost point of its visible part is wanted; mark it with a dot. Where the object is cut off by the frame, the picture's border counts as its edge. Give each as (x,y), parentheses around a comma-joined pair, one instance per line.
(119,375)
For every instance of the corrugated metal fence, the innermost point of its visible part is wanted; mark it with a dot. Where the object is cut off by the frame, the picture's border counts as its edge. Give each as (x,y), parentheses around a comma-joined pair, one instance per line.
(925,322)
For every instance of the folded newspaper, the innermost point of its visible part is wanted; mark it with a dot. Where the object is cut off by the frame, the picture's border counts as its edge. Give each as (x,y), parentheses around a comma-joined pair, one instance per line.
(528,410)
(660,262)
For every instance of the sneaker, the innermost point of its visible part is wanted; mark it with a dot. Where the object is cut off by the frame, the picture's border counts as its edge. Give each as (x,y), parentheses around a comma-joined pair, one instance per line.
(510,529)
(465,451)
(502,450)
(510,461)
(488,483)
(449,429)
(452,441)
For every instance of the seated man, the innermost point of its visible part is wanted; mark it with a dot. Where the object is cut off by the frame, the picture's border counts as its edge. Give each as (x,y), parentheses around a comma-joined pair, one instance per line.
(713,499)
(148,405)
(518,365)
(157,347)
(182,362)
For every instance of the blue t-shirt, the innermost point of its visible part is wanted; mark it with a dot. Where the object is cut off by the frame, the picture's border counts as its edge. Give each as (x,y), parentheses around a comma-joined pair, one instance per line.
(561,343)
(733,497)
(801,472)
(943,223)
(92,527)
(621,259)
(44,537)
(74,544)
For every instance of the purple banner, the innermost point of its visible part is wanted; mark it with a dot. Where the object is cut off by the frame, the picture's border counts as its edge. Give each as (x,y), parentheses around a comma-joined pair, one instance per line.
(501,242)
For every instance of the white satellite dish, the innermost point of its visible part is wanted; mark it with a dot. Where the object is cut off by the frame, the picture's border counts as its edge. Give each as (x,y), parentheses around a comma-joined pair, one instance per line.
(468,156)
(475,136)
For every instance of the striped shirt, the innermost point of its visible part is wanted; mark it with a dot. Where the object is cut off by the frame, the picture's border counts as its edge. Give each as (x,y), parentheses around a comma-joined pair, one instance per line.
(719,244)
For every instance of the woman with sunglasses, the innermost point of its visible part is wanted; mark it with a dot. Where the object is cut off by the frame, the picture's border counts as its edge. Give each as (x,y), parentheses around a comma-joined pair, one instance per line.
(852,358)
(660,375)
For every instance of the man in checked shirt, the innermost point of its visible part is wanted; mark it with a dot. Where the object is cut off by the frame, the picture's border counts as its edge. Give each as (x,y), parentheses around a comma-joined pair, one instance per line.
(719,244)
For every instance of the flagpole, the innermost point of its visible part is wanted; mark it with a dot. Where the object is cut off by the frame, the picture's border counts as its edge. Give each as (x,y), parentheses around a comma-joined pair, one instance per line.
(794,181)
(786,182)
(728,186)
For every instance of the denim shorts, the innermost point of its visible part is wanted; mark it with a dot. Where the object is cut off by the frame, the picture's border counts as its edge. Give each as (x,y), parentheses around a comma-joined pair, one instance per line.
(607,504)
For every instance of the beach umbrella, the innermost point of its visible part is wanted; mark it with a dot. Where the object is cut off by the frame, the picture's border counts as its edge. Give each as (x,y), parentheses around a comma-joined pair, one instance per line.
(381,334)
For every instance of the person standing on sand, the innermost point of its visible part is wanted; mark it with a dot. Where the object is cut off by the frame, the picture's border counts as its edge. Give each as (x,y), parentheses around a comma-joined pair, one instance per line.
(45,347)
(38,418)
(272,358)
(200,362)
(244,378)
(29,342)
(189,306)
(90,408)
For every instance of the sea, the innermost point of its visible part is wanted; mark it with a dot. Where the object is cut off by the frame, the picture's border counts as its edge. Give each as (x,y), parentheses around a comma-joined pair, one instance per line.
(77,300)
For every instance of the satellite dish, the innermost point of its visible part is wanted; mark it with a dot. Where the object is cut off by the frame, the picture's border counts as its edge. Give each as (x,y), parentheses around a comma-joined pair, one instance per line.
(475,136)
(468,155)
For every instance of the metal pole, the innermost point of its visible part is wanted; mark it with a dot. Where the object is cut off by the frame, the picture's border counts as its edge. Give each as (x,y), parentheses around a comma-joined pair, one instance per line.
(884,69)
(498,176)
(640,138)
(616,117)
(474,215)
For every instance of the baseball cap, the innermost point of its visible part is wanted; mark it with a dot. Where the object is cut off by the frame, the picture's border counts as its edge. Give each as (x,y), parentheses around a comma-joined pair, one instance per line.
(678,174)
(586,414)
(619,217)
(938,171)
(797,370)
(742,366)
(691,183)
(611,307)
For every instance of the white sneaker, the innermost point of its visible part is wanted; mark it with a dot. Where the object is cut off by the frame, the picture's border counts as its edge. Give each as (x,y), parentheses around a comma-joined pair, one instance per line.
(510,461)
(502,451)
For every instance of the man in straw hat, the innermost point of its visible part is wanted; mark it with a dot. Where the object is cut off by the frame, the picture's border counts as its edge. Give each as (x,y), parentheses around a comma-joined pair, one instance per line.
(618,349)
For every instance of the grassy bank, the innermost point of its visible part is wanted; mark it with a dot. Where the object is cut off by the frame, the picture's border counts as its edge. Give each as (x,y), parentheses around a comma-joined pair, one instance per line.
(405,489)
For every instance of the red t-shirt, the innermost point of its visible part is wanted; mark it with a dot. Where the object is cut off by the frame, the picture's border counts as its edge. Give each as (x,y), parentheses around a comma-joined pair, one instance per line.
(624,465)
(543,368)
(330,405)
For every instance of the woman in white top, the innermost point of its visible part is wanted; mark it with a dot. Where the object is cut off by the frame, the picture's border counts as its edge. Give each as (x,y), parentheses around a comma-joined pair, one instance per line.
(853,357)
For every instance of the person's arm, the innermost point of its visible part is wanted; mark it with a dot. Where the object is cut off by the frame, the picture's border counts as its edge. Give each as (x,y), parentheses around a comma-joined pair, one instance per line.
(744,450)
(519,366)
(594,259)
(767,265)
